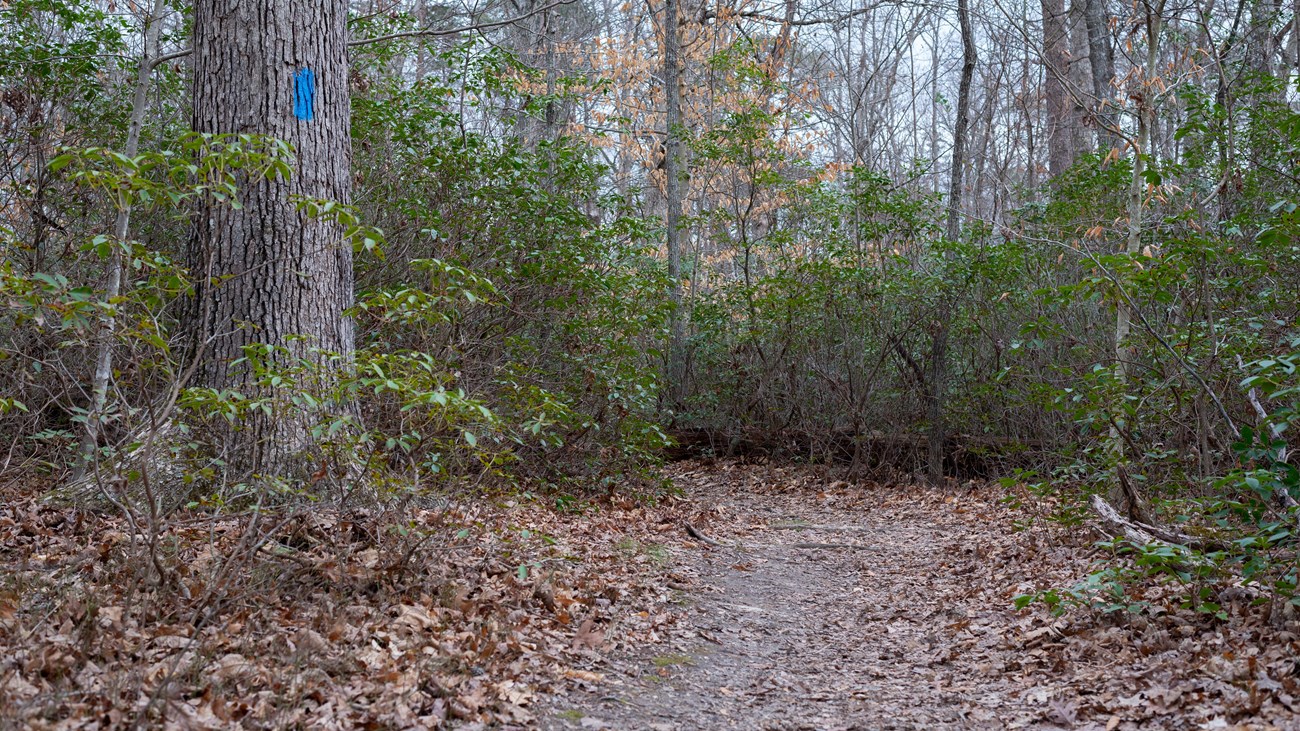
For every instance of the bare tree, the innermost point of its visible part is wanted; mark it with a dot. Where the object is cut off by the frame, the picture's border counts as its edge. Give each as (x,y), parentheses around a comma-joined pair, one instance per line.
(1056,49)
(1101,61)
(938,377)
(152,26)
(673,197)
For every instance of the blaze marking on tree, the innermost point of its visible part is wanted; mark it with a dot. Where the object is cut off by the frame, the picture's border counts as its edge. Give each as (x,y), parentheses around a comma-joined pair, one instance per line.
(304,94)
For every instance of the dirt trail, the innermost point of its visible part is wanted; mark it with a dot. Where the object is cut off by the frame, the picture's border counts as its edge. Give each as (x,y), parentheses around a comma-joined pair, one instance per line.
(904,619)
(882,625)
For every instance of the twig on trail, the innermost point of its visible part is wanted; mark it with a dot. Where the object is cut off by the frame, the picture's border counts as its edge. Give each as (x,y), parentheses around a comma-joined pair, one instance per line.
(747,608)
(693,533)
(616,699)
(833,545)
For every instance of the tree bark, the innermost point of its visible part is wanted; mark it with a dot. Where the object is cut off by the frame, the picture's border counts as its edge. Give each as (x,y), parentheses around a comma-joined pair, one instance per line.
(1102,61)
(1261,49)
(938,378)
(1060,143)
(266,272)
(1145,112)
(676,375)
(1080,78)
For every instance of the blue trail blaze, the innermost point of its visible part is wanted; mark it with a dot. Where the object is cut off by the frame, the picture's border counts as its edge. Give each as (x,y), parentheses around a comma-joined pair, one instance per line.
(304,94)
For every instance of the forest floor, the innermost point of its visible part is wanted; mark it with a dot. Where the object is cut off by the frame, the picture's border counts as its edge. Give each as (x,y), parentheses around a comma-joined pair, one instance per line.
(836,606)
(801,602)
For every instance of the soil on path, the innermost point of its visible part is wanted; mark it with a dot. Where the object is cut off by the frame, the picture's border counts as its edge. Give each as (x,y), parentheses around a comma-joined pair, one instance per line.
(828,606)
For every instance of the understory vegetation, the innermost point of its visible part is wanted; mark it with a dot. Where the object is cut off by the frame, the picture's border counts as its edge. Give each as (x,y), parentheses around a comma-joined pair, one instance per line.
(1109,332)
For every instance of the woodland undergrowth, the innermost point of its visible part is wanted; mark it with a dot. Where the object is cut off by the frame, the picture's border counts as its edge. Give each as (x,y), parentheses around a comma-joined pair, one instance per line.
(537,313)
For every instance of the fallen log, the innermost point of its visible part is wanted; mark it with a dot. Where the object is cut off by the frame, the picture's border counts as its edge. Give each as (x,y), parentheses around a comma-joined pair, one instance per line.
(1146,533)
(1143,534)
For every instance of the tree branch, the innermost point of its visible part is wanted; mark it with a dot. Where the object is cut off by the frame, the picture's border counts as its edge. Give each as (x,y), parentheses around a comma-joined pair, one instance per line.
(160,60)
(435,32)
(754,15)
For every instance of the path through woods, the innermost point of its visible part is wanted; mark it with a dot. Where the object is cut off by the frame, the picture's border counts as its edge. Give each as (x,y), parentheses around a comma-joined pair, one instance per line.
(827,606)
(837,607)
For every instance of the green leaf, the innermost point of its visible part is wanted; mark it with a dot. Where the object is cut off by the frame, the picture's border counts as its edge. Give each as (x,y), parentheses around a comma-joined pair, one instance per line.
(60,162)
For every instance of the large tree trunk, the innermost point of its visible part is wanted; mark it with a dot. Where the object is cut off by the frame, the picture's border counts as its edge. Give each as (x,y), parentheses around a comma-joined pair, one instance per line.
(1261,49)
(1080,78)
(267,273)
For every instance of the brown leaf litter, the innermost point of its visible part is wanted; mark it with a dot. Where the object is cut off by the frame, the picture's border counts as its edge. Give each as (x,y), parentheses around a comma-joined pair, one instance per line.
(838,606)
(414,619)
(827,605)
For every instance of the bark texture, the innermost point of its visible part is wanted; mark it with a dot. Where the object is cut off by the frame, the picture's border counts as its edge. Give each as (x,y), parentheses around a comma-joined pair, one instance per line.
(1056,51)
(1261,46)
(267,272)
(1080,79)
(1101,60)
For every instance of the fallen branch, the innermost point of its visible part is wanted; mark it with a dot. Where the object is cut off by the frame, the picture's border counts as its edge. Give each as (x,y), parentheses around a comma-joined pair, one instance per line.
(1145,533)
(693,533)
(1134,505)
